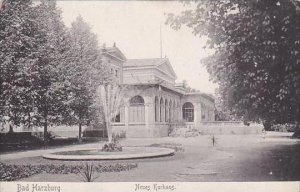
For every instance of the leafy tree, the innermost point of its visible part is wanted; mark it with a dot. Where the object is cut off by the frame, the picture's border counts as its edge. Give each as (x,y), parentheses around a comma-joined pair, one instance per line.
(18,47)
(47,89)
(83,73)
(221,110)
(49,74)
(188,88)
(257,59)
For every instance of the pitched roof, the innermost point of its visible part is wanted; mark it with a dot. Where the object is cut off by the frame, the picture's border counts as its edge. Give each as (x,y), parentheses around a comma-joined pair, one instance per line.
(161,63)
(144,62)
(114,51)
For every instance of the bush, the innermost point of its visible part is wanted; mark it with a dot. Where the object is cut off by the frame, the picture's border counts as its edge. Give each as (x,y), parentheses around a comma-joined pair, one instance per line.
(114,146)
(283,127)
(16,172)
(18,138)
(12,141)
(111,147)
(296,134)
(87,172)
(95,133)
(185,132)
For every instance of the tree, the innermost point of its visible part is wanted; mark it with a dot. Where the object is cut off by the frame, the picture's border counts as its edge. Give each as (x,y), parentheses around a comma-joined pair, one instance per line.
(48,90)
(83,73)
(18,47)
(221,109)
(257,59)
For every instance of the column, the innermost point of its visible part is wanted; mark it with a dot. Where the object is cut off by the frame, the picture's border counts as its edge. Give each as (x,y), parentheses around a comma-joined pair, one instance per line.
(199,115)
(149,111)
(147,115)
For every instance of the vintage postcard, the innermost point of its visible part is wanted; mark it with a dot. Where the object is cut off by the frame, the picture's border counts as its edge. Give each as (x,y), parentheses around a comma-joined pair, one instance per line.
(150,95)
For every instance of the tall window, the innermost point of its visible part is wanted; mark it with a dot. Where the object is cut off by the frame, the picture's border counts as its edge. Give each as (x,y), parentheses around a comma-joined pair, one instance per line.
(161,109)
(166,111)
(156,109)
(188,112)
(178,111)
(137,110)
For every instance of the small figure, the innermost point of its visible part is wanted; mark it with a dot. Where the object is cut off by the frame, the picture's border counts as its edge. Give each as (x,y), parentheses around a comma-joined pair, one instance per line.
(214,140)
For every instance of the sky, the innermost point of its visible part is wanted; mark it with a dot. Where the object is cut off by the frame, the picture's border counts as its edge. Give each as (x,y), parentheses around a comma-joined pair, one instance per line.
(135,28)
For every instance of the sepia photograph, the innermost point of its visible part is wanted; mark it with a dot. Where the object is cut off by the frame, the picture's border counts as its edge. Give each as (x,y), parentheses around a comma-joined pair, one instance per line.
(157,95)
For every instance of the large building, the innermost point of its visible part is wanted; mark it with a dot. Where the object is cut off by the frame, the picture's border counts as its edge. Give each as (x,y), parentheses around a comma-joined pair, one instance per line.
(153,101)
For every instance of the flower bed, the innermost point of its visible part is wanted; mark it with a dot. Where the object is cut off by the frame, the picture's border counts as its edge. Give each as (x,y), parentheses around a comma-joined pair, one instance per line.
(112,147)
(16,172)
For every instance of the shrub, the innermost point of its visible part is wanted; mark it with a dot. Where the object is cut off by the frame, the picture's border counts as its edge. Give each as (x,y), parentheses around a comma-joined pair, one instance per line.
(95,133)
(87,172)
(114,146)
(283,127)
(16,172)
(185,132)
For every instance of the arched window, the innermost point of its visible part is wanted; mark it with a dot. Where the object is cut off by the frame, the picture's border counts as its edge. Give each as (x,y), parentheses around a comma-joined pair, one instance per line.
(156,109)
(166,111)
(137,110)
(137,100)
(161,110)
(188,112)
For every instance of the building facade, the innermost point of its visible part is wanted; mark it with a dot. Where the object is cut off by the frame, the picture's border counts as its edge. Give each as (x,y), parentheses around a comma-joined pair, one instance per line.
(153,102)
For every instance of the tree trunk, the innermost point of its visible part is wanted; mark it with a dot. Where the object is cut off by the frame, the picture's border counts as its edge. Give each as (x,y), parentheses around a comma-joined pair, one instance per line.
(246,118)
(80,130)
(11,128)
(29,120)
(45,128)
